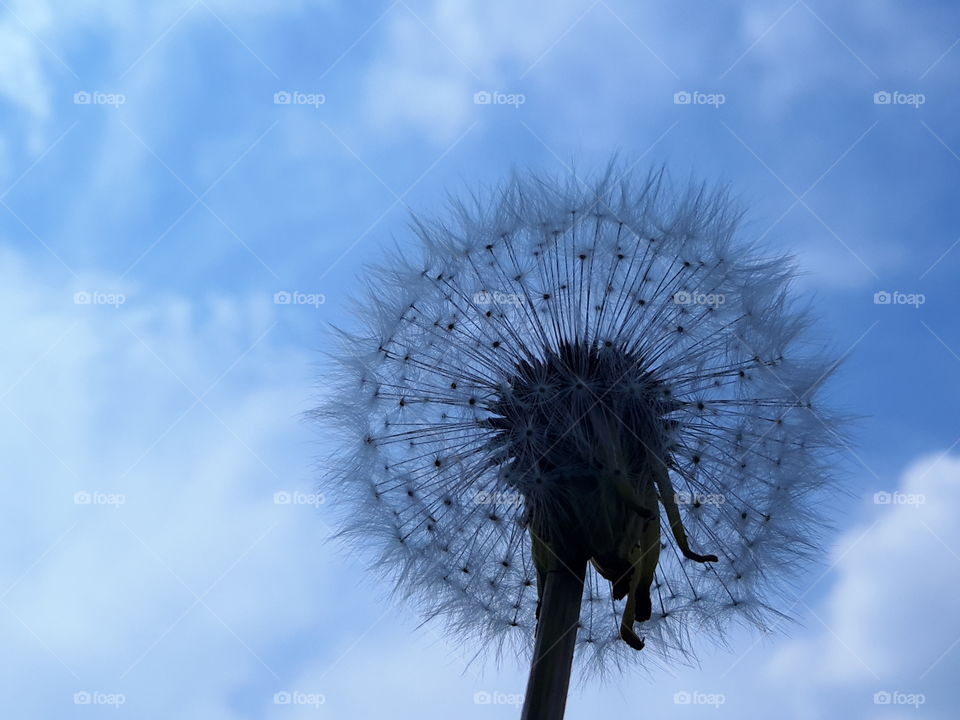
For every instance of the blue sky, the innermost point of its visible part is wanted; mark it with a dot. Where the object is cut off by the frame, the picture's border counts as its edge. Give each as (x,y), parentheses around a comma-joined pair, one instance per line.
(148,163)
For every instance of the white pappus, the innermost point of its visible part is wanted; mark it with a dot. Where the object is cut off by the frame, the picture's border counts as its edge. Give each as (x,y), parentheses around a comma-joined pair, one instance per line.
(606,366)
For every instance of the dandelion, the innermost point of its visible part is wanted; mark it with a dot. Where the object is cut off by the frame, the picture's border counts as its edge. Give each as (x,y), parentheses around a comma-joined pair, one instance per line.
(582,422)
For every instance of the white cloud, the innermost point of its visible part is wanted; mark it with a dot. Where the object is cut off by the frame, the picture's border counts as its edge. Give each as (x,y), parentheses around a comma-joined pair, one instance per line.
(437,55)
(39,41)
(21,77)
(97,596)
(890,622)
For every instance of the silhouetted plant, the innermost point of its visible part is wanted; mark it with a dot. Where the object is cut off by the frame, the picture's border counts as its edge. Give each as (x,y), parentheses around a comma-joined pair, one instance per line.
(559,373)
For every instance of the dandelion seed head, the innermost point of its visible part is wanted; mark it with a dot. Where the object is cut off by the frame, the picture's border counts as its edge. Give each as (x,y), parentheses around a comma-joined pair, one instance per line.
(545,340)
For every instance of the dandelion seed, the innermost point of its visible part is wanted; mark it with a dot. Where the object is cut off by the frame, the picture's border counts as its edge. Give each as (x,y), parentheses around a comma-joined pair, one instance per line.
(596,380)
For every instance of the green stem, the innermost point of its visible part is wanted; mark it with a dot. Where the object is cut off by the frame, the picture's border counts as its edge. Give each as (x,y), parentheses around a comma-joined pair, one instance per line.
(546,696)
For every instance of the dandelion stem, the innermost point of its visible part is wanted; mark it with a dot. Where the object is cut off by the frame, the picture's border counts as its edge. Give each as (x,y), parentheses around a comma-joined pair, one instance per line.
(546,696)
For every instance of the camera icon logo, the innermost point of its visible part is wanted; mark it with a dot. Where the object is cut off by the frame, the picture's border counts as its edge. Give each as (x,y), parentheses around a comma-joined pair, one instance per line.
(81,98)
(882,97)
(282,298)
(482,97)
(282,97)
(482,698)
(682,98)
